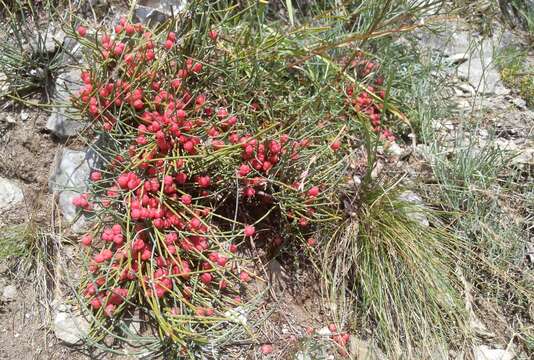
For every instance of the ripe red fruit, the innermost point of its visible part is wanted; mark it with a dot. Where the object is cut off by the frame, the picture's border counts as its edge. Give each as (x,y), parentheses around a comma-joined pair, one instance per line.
(206,278)
(175,84)
(86,240)
(96,304)
(197,68)
(332,328)
(138,104)
(313,192)
(244,170)
(96,176)
(336,144)
(249,192)
(266,349)
(311,242)
(244,276)
(186,199)
(204,181)
(232,248)
(82,31)
(213,35)
(130,29)
(249,230)
(169,44)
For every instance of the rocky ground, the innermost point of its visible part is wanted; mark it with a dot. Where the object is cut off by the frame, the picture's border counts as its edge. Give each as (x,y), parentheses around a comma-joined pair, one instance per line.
(43,166)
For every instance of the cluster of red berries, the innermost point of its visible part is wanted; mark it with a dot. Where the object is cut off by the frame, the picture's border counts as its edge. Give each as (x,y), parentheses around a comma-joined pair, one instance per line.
(369,100)
(178,149)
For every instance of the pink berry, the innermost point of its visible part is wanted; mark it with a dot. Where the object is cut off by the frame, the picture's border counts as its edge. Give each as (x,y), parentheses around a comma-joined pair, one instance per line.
(82,31)
(249,230)
(266,349)
(313,192)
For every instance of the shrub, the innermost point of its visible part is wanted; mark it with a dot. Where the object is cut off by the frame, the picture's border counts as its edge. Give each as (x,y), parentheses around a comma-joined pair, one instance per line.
(207,141)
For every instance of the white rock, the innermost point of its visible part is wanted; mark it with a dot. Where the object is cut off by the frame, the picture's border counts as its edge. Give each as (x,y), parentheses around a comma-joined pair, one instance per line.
(481,72)
(484,352)
(526,156)
(394,149)
(415,214)
(156,11)
(70,328)
(9,293)
(10,119)
(10,194)
(325,331)
(61,122)
(24,115)
(362,349)
(69,180)
(237,315)
(519,103)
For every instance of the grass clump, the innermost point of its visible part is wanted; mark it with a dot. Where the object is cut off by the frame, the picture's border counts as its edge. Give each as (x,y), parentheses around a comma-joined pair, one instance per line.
(400,276)
(30,57)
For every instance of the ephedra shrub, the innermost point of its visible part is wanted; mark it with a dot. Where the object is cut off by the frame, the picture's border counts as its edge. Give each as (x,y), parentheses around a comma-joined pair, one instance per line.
(208,140)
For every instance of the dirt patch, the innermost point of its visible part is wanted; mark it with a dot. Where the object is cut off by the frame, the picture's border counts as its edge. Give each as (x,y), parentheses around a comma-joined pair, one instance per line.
(26,153)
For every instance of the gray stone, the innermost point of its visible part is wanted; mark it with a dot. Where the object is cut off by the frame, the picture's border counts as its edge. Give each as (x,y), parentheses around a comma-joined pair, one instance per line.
(62,122)
(325,331)
(70,328)
(472,53)
(9,293)
(394,149)
(362,349)
(10,119)
(153,12)
(53,38)
(480,70)
(519,103)
(10,194)
(69,180)
(484,352)
(24,115)
(525,157)
(415,214)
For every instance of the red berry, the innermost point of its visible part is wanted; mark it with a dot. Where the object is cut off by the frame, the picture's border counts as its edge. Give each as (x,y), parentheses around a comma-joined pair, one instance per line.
(186,199)
(138,104)
(82,31)
(335,145)
(204,181)
(313,192)
(86,240)
(96,176)
(266,349)
(130,29)
(213,35)
(206,278)
(197,68)
(169,44)
(244,170)
(249,230)
(244,276)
